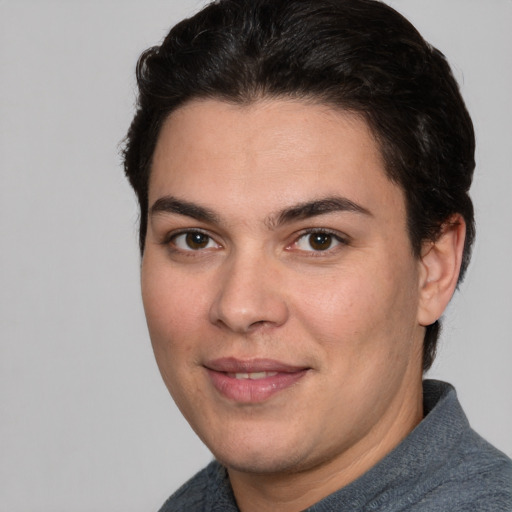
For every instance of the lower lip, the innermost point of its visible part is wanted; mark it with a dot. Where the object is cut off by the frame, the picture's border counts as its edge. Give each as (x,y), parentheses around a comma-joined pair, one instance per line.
(253,390)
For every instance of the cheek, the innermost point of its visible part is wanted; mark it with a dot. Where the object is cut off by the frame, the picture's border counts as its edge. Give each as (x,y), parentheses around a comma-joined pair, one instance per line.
(340,302)
(174,307)
(360,310)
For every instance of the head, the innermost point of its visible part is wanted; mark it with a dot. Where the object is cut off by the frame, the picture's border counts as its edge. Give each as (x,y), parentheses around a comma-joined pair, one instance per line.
(358,56)
(302,169)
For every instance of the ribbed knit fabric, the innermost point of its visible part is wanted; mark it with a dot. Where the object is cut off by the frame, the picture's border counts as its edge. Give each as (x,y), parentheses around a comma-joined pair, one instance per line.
(442,466)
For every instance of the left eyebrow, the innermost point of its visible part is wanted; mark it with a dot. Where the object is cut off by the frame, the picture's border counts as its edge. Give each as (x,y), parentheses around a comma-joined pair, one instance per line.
(169,204)
(314,208)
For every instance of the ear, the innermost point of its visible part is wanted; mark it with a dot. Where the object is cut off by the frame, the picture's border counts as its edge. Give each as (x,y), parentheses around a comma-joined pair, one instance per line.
(439,270)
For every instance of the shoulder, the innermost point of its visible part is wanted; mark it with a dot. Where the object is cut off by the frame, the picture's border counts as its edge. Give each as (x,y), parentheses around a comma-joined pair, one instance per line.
(207,491)
(444,465)
(468,473)
(479,479)
(190,496)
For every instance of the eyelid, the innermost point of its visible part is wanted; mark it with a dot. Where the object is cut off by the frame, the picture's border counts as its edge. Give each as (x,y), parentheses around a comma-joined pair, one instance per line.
(341,238)
(172,235)
(338,236)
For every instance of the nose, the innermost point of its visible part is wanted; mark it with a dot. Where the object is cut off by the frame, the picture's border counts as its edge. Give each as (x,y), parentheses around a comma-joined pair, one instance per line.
(250,296)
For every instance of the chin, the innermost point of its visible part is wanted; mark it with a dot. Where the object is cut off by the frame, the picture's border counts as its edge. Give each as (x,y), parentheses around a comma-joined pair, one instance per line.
(260,463)
(264,455)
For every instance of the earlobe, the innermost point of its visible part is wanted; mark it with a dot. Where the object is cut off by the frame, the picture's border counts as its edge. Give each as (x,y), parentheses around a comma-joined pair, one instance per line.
(439,270)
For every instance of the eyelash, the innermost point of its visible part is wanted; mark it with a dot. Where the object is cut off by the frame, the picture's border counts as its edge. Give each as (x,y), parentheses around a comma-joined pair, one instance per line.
(169,241)
(336,236)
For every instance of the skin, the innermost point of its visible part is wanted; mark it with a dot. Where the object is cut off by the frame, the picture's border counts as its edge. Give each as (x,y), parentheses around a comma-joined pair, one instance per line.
(258,285)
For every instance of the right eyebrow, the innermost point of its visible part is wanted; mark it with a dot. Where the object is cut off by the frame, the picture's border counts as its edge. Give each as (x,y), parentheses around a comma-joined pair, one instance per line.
(170,204)
(315,208)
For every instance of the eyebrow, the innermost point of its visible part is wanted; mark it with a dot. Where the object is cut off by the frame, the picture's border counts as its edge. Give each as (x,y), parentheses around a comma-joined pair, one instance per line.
(300,211)
(169,204)
(317,207)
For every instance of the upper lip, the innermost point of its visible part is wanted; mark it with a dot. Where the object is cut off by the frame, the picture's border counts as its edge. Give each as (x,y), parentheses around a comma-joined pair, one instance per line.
(234,365)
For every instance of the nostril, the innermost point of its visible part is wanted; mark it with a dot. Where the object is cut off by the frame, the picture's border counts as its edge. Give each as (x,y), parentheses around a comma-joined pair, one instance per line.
(258,323)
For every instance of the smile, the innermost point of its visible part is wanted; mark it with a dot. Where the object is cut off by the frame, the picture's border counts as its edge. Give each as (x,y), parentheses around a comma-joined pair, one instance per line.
(252,376)
(253,381)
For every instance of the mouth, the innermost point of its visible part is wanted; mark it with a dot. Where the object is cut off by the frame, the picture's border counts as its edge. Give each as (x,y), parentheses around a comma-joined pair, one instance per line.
(252,381)
(252,375)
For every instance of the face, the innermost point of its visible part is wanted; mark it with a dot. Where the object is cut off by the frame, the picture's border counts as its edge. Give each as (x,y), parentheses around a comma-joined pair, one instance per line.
(279,285)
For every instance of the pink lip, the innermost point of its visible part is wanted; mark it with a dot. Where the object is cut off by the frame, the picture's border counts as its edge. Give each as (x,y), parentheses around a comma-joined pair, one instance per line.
(222,374)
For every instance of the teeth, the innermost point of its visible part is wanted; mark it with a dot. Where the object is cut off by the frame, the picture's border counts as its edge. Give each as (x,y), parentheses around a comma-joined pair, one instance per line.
(254,375)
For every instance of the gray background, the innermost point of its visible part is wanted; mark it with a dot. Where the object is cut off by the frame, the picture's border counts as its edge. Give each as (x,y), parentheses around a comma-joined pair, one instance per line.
(86,424)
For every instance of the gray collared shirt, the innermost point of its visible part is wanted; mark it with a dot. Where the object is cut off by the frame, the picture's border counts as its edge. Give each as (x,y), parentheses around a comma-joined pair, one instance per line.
(441,466)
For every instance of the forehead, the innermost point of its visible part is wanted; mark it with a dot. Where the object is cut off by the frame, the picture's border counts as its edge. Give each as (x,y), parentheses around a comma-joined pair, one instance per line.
(266,154)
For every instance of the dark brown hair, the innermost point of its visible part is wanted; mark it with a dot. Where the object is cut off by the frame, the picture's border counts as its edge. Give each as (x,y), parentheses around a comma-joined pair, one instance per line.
(357,55)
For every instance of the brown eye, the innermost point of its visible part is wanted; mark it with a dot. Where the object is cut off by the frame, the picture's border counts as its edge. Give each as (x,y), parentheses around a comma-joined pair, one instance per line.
(196,240)
(193,241)
(318,241)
